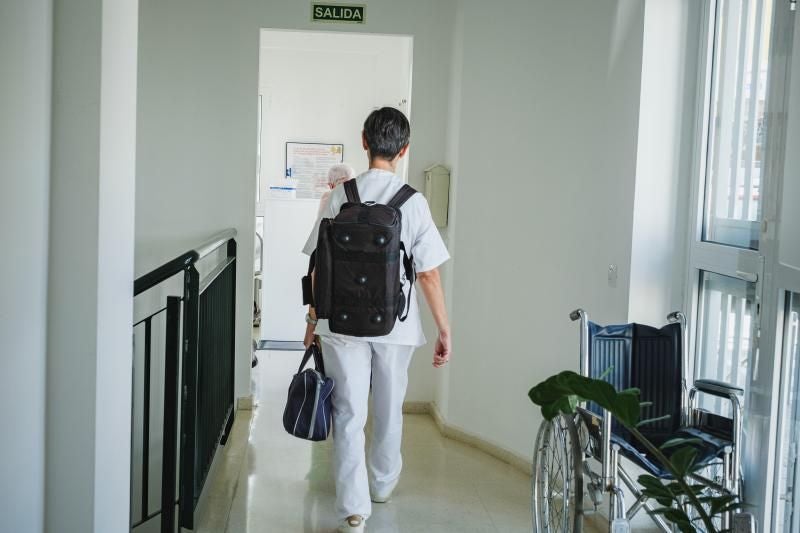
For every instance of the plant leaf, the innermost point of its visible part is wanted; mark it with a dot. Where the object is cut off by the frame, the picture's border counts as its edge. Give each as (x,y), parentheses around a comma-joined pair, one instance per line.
(652,487)
(561,394)
(684,460)
(719,503)
(678,517)
(606,372)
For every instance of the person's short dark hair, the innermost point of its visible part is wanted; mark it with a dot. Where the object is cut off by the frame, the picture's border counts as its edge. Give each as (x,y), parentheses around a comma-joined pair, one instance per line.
(386,131)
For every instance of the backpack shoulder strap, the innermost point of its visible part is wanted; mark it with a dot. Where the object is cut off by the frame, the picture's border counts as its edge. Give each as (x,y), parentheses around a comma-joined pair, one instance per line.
(351,190)
(402,196)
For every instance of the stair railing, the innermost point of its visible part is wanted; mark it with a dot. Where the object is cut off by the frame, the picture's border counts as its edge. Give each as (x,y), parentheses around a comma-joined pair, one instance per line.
(198,377)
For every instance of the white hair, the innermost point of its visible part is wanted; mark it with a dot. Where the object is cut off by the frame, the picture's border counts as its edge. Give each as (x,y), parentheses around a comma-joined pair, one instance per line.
(339,174)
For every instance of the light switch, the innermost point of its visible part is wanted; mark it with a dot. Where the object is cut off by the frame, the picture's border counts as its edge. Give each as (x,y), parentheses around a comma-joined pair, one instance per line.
(613,274)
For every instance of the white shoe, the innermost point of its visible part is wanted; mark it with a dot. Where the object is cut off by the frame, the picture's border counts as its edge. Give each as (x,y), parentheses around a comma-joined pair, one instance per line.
(352,524)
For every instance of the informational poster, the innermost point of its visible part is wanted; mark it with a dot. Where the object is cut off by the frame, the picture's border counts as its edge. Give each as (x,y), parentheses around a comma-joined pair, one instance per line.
(307,166)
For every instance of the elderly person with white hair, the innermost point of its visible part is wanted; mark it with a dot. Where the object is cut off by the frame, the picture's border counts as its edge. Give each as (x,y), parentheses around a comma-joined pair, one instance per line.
(337,175)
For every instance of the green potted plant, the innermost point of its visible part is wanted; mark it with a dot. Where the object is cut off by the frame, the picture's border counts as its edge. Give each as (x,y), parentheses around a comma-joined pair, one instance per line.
(684,501)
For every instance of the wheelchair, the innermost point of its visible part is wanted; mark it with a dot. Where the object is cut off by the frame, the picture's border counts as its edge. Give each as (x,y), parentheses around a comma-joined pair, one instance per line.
(577,465)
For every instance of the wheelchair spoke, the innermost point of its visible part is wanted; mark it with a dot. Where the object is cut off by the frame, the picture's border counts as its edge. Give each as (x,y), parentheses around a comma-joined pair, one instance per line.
(555,487)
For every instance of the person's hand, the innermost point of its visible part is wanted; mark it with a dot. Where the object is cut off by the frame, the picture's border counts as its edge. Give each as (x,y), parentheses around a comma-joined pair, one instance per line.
(441,352)
(308,340)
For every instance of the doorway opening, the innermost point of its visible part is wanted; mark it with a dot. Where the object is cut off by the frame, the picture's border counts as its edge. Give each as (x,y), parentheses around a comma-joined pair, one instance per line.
(315,90)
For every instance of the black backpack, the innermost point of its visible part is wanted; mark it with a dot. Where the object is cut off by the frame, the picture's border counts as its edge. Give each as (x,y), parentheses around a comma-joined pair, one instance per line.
(357,285)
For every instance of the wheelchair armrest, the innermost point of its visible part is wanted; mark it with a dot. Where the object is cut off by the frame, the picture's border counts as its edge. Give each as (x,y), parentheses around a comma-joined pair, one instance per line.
(717,388)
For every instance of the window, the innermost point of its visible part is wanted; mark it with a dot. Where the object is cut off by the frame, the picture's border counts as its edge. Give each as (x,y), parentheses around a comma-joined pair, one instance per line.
(788,502)
(725,260)
(725,320)
(736,133)
(739,323)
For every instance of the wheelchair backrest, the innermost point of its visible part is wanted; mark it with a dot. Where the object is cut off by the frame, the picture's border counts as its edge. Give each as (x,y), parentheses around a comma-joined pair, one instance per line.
(646,358)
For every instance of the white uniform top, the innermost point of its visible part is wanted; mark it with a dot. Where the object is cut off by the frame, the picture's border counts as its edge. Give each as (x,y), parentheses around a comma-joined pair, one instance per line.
(419,234)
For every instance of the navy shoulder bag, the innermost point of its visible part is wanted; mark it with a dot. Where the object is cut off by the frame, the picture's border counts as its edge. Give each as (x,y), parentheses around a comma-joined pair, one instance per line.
(308,407)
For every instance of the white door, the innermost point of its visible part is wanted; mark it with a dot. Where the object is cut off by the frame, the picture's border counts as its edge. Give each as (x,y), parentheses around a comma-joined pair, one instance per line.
(315,87)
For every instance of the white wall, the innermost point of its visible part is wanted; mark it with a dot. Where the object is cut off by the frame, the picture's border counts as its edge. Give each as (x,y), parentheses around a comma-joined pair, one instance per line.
(90,291)
(196,139)
(547,145)
(25,56)
(441,397)
(664,169)
(198,82)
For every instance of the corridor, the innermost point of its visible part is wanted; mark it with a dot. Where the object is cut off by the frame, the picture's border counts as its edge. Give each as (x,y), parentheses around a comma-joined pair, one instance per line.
(273,482)
(604,190)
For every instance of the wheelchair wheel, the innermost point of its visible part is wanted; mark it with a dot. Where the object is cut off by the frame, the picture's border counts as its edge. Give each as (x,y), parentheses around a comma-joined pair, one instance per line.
(558,478)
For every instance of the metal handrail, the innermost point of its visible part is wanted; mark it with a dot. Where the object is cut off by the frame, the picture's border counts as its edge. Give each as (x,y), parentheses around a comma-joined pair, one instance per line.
(215,242)
(170,268)
(187,350)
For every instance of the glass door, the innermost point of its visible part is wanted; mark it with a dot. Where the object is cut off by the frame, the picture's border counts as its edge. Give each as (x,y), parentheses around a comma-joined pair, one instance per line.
(784,321)
(726,263)
(787,506)
(734,272)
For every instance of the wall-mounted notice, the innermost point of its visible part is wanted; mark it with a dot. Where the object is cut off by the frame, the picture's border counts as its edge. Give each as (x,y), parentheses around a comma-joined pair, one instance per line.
(307,166)
(352,13)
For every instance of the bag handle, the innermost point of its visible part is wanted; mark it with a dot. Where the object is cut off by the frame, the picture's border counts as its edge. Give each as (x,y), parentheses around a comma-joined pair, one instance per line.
(308,288)
(316,353)
(351,190)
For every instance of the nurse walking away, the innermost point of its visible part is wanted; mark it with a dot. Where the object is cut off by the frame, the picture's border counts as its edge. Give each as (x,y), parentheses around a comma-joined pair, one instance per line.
(356,363)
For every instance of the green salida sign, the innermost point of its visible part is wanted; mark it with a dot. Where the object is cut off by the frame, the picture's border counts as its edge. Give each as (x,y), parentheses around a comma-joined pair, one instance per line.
(352,13)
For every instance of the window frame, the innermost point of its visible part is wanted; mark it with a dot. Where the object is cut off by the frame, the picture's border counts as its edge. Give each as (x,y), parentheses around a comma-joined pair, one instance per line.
(785,379)
(727,260)
(785,279)
(766,382)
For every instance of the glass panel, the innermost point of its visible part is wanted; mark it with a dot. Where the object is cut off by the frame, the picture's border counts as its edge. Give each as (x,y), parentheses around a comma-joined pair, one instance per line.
(788,505)
(736,128)
(726,324)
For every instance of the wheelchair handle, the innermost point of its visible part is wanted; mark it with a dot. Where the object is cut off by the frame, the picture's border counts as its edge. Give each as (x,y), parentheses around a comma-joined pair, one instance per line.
(680,318)
(583,316)
(676,316)
(577,314)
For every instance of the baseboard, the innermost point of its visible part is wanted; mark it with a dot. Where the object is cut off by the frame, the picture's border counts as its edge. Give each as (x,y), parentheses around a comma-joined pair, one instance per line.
(449,431)
(245,403)
(417,408)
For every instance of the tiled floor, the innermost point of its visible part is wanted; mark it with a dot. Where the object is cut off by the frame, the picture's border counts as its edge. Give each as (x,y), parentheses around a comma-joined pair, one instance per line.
(272,482)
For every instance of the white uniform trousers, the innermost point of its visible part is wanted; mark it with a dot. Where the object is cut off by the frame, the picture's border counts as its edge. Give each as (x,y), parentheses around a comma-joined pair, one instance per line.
(351,364)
